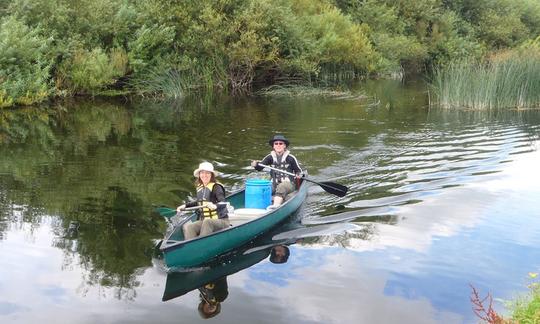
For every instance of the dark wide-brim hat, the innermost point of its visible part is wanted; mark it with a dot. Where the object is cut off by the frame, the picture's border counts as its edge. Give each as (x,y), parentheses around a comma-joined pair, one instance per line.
(278,138)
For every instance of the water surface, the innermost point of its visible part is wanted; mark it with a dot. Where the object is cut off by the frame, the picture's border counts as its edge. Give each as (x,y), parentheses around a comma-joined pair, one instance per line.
(438,201)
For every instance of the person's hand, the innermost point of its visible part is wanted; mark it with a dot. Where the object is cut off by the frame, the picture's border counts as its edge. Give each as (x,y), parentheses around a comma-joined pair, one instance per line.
(254,163)
(180,208)
(211,206)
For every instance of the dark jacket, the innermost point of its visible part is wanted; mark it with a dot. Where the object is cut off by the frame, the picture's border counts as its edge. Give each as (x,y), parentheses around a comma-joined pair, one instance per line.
(286,162)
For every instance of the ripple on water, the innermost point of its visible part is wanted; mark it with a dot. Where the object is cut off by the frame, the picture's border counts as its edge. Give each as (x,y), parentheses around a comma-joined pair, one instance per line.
(387,175)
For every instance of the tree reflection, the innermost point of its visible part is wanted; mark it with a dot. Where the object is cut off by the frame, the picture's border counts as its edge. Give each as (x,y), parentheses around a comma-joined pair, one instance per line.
(79,167)
(101,165)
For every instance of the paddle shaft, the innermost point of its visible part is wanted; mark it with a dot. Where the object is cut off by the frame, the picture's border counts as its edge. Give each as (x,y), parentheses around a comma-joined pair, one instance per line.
(330,187)
(193,208)
(278,170)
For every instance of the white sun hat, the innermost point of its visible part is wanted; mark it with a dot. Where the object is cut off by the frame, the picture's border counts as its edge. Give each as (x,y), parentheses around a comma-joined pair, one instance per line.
(205,166)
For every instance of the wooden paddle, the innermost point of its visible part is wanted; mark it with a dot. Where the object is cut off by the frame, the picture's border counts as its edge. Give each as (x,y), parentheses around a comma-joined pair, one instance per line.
(330,187)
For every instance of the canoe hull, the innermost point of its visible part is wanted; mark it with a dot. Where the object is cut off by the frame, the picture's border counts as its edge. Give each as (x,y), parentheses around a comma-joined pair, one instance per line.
(197,251)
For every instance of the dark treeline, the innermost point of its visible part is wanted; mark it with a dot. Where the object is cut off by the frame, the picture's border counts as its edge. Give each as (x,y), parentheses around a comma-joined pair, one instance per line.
(62,48)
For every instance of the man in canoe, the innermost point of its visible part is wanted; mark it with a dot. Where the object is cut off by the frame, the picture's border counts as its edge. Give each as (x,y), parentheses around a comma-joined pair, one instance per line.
(280,158)
(210,194)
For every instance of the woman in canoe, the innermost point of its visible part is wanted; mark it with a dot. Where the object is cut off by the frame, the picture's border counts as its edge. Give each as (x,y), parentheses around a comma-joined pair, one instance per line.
(213,216)
(280,158)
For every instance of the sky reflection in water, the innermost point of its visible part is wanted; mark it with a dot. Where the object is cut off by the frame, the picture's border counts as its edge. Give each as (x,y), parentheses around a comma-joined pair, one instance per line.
(453,198)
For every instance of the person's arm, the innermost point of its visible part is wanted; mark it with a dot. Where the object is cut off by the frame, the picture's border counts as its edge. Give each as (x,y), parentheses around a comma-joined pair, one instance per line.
(187,205)
(219,193)
(192,204)
(266,161)
(295,166)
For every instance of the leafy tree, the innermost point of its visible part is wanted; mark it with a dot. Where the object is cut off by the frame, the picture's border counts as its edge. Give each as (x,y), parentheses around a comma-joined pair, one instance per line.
(87,72)
(24,63)
(173,47)
(500,23)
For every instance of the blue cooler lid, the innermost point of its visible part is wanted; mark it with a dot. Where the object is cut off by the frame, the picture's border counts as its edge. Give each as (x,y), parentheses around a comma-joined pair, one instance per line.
(257,181)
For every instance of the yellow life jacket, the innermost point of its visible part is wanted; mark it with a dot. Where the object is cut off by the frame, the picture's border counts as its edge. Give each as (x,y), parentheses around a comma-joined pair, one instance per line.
(203,196)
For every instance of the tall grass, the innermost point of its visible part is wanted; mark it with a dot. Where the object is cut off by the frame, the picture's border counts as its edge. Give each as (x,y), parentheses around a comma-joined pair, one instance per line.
(509,82)
(177,83)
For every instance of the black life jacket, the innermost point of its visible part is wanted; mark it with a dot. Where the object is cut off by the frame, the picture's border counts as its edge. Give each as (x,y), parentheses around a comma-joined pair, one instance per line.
(280,162)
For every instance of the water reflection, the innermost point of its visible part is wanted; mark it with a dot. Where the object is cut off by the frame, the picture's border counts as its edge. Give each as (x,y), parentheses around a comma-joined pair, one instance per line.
(211,281)
(212,295)
(436,198)
(411,168)
(214,292)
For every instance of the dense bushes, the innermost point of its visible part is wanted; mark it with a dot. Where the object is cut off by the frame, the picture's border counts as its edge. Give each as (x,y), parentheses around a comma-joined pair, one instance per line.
(88,72)
(69,47)
(24,64)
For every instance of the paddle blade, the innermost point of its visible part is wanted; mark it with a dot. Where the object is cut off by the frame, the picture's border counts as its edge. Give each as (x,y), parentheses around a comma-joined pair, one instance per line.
(334,188)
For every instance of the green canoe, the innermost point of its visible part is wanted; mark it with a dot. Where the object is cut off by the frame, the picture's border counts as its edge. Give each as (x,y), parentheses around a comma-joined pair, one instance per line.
(180,253)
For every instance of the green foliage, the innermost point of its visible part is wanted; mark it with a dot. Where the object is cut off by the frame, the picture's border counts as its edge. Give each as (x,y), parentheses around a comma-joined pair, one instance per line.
(531,45)
(530,15)
(5,100)
(388,34)
(24,64)
(150,47)
(451,41)
(434,32)
(169,48)
(335,37)
(88,72)
(500,23)
(92,23)
(253,44)
(232,44)
(501,28)
(526,309)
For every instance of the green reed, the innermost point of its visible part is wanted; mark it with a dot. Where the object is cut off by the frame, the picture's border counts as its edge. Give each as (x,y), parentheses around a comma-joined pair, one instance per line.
(512,82)
(178,83)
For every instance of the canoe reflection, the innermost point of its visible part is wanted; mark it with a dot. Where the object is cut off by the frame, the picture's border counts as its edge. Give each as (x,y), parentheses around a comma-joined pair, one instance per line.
(212,281)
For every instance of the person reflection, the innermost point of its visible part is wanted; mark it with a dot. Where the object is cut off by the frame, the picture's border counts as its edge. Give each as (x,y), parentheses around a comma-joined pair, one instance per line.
(212,295)
(279,254)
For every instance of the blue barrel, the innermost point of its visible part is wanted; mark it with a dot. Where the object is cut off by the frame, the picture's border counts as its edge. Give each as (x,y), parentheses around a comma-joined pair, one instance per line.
(258,193)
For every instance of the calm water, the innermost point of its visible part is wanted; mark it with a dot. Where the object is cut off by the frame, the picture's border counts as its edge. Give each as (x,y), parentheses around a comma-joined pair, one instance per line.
(438,201)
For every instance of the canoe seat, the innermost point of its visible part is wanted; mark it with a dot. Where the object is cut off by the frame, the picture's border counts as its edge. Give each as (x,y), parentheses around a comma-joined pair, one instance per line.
(243,215)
